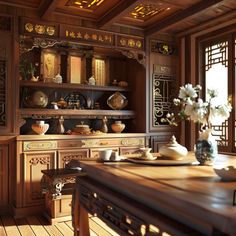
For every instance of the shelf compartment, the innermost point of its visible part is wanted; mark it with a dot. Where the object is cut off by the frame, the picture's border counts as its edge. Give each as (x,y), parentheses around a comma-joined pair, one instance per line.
(71,86)
(71,113)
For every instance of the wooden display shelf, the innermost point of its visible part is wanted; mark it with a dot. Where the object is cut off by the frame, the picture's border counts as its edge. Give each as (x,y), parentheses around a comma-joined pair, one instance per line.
(72,86)
(87,113)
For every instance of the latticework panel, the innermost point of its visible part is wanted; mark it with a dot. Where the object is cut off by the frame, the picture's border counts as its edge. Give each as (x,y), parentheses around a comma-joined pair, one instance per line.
(216,64)
(220,132)
(163,94)
(217,53)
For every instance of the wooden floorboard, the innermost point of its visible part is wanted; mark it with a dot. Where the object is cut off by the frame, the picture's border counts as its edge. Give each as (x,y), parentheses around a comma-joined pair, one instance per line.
(51,229)
(39,226)
(2,229)
(36,226)
(24,227)
(10,226)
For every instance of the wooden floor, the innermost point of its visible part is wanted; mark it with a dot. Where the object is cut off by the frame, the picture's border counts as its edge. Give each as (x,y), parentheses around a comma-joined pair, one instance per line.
(39,226)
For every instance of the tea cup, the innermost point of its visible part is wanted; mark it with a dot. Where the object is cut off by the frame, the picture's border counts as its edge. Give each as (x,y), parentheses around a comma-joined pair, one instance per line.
(105,154)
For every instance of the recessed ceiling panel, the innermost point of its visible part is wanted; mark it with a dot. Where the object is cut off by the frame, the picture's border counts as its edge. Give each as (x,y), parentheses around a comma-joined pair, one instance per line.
(88,9)
(147,12)
(144,11)
(89,5)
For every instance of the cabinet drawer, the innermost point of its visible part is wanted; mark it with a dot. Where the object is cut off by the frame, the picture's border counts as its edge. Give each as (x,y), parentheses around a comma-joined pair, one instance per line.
(65,156)
(113,142)
(94,152)
(130,150)
(39,145)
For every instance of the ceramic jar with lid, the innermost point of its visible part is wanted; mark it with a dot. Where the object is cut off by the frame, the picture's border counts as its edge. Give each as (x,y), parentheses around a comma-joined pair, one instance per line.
(173,150)
(82,129)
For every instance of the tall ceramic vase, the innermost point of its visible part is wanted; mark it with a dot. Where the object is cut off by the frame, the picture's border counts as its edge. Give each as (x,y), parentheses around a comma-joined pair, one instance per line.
(206,148)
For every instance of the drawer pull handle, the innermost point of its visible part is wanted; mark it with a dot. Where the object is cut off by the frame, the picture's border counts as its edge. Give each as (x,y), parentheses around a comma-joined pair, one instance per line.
(105,143)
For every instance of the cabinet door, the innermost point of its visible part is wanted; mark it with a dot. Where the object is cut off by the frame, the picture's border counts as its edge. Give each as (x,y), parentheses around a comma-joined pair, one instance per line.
(3,176)
(65,156)
(34,162)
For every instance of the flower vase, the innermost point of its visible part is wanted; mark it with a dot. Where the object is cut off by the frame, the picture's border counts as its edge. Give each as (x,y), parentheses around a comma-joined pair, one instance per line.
(206,148)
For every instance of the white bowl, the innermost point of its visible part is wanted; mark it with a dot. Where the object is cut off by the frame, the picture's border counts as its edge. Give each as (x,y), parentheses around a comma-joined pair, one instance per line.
(226,173)
(225,167)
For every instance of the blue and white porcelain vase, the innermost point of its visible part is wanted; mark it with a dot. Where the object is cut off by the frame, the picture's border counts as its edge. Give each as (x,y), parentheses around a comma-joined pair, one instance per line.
(206,148)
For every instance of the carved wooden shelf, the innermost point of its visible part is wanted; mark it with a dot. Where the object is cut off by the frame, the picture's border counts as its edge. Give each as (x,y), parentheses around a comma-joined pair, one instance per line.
(72,86)
(72,113)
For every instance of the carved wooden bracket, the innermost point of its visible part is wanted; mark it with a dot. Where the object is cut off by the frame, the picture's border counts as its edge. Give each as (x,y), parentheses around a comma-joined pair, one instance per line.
(27,43)
(140,57)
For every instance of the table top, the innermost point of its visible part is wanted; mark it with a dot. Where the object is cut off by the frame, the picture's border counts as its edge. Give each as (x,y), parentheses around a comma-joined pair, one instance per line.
(63,172)
(194,193)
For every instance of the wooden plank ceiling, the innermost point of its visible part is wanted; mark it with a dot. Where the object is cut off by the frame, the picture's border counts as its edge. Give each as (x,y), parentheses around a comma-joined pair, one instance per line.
(148,16)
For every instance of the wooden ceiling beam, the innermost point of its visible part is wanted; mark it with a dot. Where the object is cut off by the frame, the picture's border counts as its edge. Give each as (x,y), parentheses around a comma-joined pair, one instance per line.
(115,13)
(181,16)
(47,8)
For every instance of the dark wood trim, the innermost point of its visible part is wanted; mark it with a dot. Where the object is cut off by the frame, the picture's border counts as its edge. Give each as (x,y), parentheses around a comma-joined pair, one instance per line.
(47,8)
(181,16)
(227,20)
(116,12)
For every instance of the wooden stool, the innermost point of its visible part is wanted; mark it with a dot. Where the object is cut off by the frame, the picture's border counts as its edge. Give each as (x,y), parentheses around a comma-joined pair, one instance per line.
(58,184)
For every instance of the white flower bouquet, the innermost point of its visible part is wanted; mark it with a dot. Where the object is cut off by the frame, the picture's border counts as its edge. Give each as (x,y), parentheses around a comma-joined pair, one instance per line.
(192,107)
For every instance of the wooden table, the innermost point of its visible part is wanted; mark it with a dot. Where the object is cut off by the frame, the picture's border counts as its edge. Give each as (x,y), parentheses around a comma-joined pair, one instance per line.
(133,198)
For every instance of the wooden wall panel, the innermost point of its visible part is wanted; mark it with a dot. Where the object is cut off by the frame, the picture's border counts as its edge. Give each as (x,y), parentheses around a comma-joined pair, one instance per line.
(4,185)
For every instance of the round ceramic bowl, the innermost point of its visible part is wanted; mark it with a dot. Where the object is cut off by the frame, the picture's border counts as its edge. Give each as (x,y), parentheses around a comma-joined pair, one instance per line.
(225,167)
(117,127)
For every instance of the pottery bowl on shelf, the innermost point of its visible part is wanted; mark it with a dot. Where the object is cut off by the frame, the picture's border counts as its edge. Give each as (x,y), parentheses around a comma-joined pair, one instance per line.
(82,129)
(40,127)
(118,127)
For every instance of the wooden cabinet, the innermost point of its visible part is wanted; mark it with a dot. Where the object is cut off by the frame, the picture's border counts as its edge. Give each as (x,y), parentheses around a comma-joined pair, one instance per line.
(41,152)
(79,101)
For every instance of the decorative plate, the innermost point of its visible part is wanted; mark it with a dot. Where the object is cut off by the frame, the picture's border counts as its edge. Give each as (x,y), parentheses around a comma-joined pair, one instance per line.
(29,27)
(40,29)
(50,30)
(117,101)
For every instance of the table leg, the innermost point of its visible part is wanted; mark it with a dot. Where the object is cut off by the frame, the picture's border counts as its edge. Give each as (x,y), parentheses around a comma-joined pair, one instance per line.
(75,211)
(83,222)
